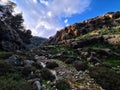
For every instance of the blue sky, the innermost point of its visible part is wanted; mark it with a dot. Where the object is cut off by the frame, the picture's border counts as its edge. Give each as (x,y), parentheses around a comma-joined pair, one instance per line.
(45,17)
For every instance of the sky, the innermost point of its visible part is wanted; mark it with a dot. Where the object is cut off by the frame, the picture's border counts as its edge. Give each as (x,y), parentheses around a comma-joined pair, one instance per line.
(46,17)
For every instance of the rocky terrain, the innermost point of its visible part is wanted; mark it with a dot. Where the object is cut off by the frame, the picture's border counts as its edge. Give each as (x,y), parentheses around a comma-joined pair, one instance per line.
(110,19)
(83,56)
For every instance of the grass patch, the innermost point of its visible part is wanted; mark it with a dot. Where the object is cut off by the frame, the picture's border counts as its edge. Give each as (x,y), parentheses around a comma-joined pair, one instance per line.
(14,82)
(2,52)
(98,32)
(5,55)
(65,51)
(114,63)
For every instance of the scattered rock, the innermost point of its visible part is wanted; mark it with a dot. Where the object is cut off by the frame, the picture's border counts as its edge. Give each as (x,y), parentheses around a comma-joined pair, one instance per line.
(28,62)
(43,64)
(14,60)
(40,57)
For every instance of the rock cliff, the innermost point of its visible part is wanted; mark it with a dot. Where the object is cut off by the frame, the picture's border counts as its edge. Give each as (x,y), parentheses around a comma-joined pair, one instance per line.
(110,19)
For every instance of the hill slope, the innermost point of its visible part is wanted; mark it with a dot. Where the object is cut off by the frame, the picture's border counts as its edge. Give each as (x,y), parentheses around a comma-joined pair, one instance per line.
(110,19)
(85,56)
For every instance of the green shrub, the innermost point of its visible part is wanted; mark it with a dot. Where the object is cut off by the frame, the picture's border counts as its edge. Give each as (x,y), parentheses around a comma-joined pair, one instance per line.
(5,55)
(62,85)
(27,70)
(79,65)
(38,65)
(51,65)
(69,61)
(106,77)
(5,67)
(114,63)
(11,84)
(47,75)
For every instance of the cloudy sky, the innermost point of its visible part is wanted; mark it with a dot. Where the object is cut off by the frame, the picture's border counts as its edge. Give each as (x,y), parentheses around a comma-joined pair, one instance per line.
(45,17)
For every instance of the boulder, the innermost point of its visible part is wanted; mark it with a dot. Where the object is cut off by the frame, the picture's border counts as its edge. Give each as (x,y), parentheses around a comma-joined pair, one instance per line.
(28,62)
(14,60)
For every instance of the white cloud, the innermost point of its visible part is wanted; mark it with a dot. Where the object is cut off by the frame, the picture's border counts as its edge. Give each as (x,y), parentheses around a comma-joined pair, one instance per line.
(66,21)
(3,1)
(45,17)
(44,2)
(35,1)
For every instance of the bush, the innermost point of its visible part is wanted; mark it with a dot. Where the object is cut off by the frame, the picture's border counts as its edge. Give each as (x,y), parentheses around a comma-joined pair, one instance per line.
(5,67)
(47,75)
(11,84)
(27,70)
(38,65)
(79,65)
(107,78)
(62,85)
(51,65)
(5,55)
(69,61)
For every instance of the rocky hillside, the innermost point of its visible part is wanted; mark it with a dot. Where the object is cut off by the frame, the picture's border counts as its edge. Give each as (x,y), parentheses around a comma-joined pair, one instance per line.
(110,19)
(85,56)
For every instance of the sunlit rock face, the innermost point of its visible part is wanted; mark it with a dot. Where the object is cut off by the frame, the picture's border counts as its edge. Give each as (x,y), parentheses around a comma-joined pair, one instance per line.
(110,19)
